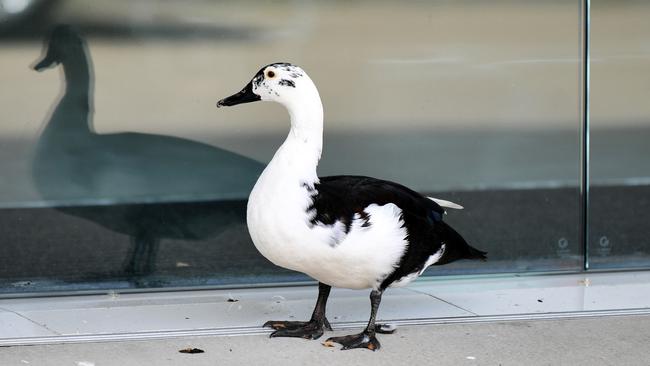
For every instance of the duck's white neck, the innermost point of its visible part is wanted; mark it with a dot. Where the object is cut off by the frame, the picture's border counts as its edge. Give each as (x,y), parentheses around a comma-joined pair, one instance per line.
(299,154)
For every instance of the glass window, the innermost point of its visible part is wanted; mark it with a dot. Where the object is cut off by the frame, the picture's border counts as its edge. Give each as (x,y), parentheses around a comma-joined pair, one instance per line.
(119,172)
(620,131)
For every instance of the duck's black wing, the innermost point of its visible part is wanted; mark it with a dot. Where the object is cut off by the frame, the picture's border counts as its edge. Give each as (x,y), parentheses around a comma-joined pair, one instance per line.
(340,198)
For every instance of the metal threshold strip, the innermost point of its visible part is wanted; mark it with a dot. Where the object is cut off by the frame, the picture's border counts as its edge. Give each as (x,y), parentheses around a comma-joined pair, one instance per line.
(240,331)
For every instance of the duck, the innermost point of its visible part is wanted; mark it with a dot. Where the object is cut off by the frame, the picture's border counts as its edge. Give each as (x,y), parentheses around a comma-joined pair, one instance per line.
(345,231)
(148,186)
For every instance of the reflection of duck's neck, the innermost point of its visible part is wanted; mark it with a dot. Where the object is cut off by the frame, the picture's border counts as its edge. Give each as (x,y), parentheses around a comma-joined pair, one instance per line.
(73,114)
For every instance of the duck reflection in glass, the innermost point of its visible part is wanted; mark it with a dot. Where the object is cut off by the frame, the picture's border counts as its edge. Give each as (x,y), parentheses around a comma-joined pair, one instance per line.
(118,180)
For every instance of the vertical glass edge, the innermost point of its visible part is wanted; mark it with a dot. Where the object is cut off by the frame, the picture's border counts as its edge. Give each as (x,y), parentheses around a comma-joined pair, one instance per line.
(584,136)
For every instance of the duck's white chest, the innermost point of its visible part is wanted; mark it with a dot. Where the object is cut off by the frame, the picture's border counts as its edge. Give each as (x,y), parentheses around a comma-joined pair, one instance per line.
(279,222)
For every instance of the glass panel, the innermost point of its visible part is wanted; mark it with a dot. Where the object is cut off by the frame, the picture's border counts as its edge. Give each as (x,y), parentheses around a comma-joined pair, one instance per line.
(620,131)
(129,177)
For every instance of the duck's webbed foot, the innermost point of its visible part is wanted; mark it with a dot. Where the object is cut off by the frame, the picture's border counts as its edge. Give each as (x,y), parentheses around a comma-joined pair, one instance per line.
(312,329)
(364,339)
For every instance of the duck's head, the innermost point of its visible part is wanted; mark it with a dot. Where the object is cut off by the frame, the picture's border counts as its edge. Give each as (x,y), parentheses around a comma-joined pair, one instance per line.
(63,44)
(278,82)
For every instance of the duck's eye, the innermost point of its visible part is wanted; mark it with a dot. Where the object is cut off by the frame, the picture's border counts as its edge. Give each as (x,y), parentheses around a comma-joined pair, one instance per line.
(270,74)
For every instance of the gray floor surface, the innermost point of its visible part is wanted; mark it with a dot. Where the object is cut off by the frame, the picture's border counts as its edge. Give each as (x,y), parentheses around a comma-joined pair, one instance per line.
(621,340)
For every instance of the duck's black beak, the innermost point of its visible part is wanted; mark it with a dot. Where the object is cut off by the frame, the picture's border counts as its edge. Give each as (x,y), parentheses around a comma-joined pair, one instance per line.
(48,61)
(246,95)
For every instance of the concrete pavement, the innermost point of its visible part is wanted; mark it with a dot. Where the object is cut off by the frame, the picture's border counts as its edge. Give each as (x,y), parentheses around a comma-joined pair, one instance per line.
(587,341)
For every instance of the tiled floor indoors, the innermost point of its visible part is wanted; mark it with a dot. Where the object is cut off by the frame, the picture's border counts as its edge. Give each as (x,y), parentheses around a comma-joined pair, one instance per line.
(46,320)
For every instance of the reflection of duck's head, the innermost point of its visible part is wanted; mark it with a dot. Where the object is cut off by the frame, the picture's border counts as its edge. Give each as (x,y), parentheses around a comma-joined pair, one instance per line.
(64,44)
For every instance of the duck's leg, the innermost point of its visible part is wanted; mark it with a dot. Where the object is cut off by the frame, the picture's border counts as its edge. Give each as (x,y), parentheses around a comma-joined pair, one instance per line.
(365,339)
(313,329)
(142,259)
(132,266)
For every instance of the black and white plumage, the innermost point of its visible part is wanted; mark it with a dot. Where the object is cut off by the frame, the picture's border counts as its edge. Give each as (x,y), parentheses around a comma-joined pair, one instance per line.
(345,231)
(430,240)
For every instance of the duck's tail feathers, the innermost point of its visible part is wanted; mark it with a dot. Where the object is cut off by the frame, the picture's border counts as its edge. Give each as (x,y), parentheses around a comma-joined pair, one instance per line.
(445,203)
